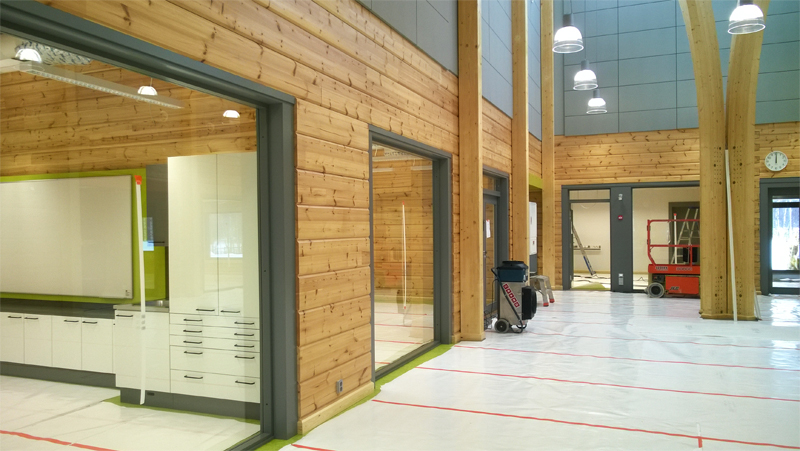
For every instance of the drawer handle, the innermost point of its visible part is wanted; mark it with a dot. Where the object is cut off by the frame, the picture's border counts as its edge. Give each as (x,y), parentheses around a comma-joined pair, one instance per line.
(193,377)
(243,335)
(30,317)
(195,353)
(205,309)
(193,331)
(90,322)
(15,317)
(244,346)
(248,358)
(71,321)
(193,342)
(124,316)
(231,311)
(194,320)
(245,383)
(246,324)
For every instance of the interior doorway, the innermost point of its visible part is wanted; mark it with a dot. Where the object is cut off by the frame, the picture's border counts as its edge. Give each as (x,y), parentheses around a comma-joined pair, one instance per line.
(495,233)
(780,237)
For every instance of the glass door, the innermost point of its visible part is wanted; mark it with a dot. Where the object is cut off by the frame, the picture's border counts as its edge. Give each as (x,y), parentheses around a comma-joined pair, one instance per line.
(784,230)
(490,260)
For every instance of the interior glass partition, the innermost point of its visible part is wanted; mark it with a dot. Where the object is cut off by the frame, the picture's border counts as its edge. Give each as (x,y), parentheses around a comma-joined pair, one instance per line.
(403,246)
(96,161)
(591,240)
(784,205)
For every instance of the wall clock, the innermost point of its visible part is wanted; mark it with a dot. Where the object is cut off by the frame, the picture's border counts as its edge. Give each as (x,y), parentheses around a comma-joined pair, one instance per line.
(776,160)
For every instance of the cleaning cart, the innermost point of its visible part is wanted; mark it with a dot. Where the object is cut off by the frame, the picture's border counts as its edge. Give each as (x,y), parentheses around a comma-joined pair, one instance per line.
(520,305)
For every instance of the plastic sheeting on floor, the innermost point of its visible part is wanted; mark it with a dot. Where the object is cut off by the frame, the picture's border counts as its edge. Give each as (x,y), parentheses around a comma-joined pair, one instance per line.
(596,371)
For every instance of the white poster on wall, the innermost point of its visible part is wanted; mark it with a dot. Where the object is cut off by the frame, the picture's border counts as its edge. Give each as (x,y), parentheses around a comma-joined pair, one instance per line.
(532,227)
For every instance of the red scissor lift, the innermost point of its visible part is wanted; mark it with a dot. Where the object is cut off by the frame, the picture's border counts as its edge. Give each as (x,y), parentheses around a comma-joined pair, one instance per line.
(684,278)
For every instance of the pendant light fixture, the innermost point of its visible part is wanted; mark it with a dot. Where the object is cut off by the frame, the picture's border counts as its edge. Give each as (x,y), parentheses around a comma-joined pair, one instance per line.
(29,55)
(596,104)
(585,79)
(231,114)
(568,38)
(746,18)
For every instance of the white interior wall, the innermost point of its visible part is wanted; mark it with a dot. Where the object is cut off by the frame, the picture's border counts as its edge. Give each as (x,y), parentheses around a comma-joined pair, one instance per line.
(593,227)
(653,203)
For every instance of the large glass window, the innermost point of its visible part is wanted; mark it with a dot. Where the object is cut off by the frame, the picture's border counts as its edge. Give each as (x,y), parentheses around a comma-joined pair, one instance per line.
(591,239)
(118,188)
(785,245)
(402,202)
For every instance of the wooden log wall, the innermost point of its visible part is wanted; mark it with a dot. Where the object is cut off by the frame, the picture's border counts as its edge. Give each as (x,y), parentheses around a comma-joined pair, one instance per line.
(497,150)
(657,156)
(48,126)
(535,156)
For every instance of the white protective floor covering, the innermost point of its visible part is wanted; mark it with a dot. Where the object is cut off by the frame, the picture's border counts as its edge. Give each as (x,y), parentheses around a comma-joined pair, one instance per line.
(595,371)
(43,416)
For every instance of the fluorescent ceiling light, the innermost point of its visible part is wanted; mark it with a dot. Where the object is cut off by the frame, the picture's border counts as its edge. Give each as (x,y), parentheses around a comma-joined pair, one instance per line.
(29,55)
(147,91)
(231,114)
(585,79)
(596,104)
(746,18)
(568,39)
(86,81)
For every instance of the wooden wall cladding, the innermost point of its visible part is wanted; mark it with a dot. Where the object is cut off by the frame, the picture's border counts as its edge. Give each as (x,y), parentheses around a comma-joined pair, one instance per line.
(666,155)
(48,126)
(333,255)
(535,156)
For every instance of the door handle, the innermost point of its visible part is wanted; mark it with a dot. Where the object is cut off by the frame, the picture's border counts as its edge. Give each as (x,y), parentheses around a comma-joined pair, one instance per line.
(193,342)
(247,358)
(193,331)
(15,317)
(246,324)
(243,335)
(193,353)
(231,311)
(193,320)
(245,383)
(90,322)
(30,317)
(124,316)
(244,346)
(205,309)
(71,321)
(193,377)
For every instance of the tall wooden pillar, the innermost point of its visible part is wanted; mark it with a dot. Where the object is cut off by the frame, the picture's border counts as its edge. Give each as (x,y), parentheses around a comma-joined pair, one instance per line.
(519,132)
(548,256)
(470,165)
(741,121)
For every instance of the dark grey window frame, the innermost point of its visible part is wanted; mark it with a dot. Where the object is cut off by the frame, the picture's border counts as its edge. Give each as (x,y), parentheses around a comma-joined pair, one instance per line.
(621,231)
(765,232)
(503,215)
(442,163)
(275,128)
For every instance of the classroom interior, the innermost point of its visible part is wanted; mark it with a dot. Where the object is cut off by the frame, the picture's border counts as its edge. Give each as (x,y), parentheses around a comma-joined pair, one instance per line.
(276,225)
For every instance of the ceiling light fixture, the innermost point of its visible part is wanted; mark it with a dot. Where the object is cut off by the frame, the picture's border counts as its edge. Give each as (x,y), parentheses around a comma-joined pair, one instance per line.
(86,81)
(28,55)
(585,79)
(147,91)
(596,104)
(746,18)
(231,114)
(568,38)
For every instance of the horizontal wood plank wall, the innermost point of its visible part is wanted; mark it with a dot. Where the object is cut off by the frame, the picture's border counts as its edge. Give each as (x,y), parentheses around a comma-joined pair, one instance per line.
(665,155)
(48,126)
(348,69)
(497,150)
(535,156)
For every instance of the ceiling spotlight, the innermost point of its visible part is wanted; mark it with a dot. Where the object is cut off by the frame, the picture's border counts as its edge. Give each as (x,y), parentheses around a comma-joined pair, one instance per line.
(568,39)
(585,79)
(746,18)
(596,104)
(231,114)
(147,91)
(29,55)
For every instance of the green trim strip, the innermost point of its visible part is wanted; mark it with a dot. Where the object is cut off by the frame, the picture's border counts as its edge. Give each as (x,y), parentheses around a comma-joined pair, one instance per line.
(276,444)
(534,181)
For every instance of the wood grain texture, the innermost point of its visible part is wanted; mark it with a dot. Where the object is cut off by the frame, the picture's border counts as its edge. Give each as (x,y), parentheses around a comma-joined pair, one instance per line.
(535,156)
(702,32)
(470,169)
(549,194)
(519,133)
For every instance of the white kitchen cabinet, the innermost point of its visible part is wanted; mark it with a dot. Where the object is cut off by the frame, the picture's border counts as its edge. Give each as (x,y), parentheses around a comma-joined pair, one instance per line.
(222,386)
(97,349)
(67,342)
(128,348)
(38,339)
(12,338)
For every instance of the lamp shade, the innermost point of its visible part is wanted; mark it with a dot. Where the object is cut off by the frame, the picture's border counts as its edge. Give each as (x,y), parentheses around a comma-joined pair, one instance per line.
(596,104)
(746,18)
(231,114)
(147,91)
(568,38)
(28,55)
(585,79)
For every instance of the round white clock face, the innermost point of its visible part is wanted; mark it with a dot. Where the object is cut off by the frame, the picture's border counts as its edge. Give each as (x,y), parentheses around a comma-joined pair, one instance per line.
(776,160)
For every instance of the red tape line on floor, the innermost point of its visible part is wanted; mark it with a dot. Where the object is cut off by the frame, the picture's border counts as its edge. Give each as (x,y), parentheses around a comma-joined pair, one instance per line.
(629,358)
(600,426)
(777,348)
(308,447)
(55,441)
(603,384)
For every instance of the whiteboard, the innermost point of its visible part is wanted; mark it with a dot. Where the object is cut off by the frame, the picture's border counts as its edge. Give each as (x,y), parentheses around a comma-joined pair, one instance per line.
(67,237)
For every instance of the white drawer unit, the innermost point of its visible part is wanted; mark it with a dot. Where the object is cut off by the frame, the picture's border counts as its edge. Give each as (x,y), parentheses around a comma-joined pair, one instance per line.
(67,342)
(221,386)
(214,343)
(97,345)
(128,349)
(38,339)
(204,360)
(214,332)
(214,321)
(12,338)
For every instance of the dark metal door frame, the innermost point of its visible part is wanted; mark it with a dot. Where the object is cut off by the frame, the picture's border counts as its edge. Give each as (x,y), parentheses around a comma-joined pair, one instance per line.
(768,187)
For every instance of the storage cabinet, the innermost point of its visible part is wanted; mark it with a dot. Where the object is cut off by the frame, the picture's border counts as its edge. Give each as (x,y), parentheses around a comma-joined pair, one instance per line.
(38,339)
(97,345)
(12,338)
(128,350)
(67,342)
